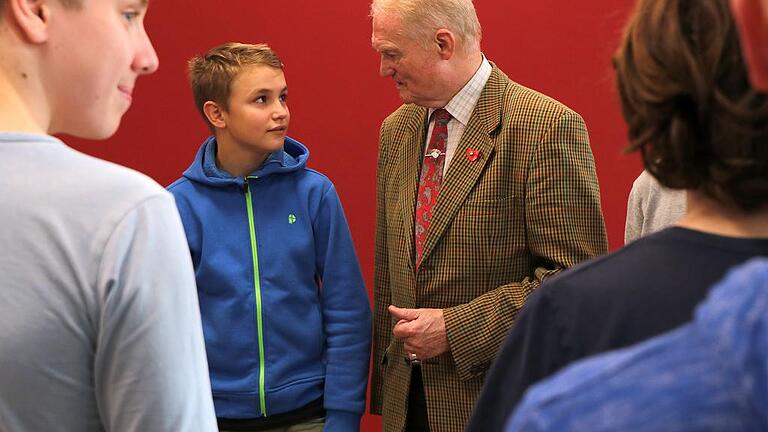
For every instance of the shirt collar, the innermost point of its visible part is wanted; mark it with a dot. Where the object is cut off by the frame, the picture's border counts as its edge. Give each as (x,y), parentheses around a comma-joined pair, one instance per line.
(463,103)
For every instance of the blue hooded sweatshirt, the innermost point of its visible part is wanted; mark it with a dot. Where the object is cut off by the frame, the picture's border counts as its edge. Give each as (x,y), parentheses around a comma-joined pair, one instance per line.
(285,311)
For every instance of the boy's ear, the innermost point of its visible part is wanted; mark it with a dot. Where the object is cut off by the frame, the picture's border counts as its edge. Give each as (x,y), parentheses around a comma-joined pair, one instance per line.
(215,114)
(32,18)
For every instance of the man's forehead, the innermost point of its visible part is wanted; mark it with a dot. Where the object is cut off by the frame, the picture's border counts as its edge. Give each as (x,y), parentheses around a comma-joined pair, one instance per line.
(386,33)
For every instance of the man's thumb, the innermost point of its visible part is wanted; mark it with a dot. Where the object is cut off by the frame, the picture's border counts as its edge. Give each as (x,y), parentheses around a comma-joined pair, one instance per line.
(403,313)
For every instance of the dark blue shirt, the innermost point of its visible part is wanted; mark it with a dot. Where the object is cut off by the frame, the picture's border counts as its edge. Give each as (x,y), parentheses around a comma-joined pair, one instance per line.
(710,375)
(647,288)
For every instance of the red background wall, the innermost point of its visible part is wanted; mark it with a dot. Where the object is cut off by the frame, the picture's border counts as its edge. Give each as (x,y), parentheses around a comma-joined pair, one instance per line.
(337,100)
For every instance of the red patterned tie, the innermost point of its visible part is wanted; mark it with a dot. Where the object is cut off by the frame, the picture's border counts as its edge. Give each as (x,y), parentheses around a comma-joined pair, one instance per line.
(431,178)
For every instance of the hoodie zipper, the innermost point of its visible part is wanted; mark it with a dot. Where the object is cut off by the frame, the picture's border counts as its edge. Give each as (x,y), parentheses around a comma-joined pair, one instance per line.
(257,289)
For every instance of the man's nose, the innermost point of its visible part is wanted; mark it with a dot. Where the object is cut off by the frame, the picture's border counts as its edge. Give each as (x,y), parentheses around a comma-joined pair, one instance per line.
(385,69)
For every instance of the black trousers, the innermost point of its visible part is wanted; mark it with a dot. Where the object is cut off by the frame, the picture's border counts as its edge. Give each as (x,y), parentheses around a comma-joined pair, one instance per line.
(416,420)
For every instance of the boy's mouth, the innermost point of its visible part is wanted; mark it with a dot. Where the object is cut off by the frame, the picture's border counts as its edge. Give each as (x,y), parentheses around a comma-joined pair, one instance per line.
(126,91)
(278,129)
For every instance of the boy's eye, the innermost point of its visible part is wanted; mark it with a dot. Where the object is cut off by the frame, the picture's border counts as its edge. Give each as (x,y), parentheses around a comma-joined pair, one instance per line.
(283,98)
(260,99)
(130,15)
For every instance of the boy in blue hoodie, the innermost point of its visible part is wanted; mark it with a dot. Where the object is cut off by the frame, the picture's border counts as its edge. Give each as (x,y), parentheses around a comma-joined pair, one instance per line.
(286,317)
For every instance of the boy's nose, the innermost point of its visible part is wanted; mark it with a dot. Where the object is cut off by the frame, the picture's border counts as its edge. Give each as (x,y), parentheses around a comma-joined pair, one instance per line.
(280,111)
(145,61)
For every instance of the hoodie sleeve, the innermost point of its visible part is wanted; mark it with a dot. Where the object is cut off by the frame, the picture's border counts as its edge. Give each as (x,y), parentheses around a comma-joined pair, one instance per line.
(346,317)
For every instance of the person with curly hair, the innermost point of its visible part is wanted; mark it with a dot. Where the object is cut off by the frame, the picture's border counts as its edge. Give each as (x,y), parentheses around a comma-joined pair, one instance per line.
(700,127)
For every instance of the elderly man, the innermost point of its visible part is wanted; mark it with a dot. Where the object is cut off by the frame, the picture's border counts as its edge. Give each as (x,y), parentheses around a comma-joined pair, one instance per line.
(484,188)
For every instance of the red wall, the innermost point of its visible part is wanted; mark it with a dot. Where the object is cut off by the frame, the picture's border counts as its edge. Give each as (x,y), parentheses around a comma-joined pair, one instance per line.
(337,99)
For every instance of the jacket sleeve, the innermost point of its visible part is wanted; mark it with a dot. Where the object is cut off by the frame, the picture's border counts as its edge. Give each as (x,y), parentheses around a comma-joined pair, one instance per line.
(382,329)
(564,226)
(150,367)
(346,317)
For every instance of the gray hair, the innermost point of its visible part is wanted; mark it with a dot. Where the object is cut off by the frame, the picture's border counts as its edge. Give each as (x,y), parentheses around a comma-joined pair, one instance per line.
(421,18)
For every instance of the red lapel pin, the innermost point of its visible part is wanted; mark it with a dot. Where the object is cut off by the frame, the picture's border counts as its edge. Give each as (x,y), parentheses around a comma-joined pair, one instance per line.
(472,154)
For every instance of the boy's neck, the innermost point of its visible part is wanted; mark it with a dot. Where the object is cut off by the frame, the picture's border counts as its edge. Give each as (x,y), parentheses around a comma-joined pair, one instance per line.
(236,160)
(21,108)
(707,215)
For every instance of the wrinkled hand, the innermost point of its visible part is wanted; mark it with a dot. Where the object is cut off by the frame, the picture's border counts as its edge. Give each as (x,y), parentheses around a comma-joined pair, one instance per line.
(422,331)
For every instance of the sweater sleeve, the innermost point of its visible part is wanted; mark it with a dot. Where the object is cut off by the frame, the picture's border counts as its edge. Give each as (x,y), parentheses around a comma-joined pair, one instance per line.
(346,317)
(150,367)
(633,227)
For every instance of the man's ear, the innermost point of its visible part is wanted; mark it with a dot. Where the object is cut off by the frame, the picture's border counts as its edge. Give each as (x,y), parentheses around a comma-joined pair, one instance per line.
(446,43)
(215,114)
(752,20)
(32,18)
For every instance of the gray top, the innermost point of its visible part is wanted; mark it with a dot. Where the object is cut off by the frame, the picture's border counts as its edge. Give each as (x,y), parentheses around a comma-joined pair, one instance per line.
(98,308)
(651,207)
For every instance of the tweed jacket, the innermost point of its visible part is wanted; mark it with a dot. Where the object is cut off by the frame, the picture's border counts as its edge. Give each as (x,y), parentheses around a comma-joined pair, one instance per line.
(526,208)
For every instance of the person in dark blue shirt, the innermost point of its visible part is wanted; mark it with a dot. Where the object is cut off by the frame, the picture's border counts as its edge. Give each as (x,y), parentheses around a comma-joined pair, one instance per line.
(708,375)
(700,127)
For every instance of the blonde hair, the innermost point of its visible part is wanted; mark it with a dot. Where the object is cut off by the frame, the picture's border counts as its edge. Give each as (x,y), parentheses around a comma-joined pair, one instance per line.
(421,18)
(69,4)
(212,73)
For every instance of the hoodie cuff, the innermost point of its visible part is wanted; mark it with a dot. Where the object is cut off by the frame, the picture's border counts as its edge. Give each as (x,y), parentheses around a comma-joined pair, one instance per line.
(343,421)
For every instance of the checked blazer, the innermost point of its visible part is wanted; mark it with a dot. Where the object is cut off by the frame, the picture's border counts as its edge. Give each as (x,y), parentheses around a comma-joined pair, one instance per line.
(526,208)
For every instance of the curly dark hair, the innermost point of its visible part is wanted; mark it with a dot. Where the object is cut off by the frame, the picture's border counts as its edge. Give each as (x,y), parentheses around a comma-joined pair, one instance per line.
(687,100)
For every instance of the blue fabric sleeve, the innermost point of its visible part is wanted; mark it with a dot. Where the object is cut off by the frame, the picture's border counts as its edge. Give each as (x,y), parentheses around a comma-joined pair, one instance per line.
(337,420)
(346,316)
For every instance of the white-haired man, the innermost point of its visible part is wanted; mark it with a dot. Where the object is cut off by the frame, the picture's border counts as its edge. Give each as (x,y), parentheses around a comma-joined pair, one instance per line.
(484,188)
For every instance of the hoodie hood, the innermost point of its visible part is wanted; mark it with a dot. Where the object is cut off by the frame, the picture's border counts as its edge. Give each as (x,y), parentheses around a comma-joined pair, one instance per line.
(292,157)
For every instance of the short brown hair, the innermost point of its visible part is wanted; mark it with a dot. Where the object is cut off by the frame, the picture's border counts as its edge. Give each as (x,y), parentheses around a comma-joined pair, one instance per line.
(211,74)
(687,100)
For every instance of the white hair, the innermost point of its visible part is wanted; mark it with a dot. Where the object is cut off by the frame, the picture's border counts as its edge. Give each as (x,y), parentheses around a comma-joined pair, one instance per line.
(421,18)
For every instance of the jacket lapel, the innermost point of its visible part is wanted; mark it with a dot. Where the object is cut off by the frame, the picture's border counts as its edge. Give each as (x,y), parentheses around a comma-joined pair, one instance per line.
(410,141)
(463,173)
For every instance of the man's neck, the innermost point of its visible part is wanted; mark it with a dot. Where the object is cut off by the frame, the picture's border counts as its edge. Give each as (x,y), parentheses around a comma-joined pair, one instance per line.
(464,69)
(707,215)
(235,160)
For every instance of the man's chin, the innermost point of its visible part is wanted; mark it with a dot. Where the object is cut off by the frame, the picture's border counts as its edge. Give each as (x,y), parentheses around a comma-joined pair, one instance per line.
(405,96)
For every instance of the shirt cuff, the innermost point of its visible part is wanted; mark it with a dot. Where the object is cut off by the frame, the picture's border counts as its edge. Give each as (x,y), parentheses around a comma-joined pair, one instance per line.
(343,421)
